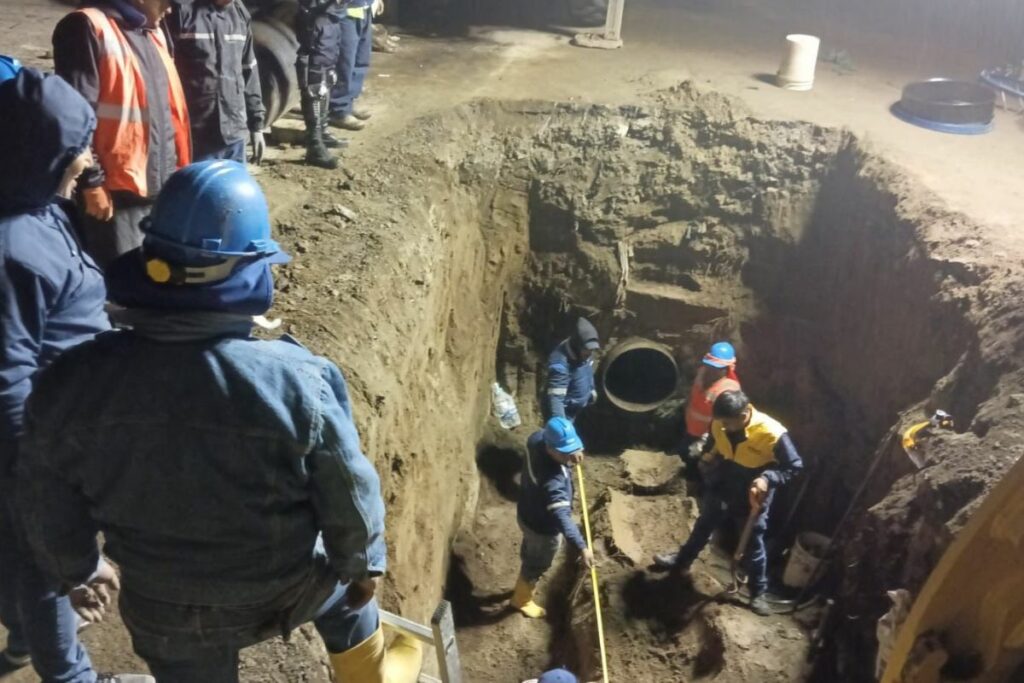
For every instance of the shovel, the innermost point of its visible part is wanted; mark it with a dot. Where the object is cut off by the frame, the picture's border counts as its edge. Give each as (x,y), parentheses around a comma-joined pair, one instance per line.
(741,549)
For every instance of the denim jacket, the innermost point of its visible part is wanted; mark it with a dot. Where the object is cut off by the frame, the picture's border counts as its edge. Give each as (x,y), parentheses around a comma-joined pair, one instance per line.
(211,467)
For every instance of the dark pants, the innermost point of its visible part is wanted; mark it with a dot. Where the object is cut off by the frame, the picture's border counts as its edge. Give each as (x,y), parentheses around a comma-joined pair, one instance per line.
(38,620)
(714,511)
(200,644)
(106,240)
(353,62)
(319,49)
(232,151)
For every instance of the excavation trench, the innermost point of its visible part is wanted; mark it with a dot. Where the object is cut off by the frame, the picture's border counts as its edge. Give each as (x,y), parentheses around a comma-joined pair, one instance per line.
(669,225)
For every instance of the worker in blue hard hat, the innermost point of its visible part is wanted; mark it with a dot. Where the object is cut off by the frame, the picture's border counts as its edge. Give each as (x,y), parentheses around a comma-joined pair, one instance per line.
(224,472)
(545,508)
(9,67)
(51,299)
(555,676)
(570,378)
(716,374)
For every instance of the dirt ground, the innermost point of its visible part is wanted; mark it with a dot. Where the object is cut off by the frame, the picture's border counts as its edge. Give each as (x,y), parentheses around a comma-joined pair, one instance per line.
(410,303)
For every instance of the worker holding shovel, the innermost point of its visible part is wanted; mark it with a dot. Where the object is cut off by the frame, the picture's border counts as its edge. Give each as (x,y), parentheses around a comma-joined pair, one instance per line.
(749,456)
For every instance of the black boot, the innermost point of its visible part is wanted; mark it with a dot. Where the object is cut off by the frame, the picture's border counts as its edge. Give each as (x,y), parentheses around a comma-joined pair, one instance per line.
(331,141)
(316,151)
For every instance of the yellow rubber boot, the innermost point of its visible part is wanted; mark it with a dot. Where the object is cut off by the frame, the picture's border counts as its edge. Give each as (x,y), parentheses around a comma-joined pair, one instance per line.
(522,600)
(364,663)
(404,660)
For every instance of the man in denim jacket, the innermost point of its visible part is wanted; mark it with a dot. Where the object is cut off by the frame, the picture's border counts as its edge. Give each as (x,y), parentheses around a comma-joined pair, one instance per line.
(225,472)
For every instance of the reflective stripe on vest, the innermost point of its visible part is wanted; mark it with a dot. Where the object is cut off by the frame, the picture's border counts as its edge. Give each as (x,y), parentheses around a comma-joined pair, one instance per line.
(758,451)
(121,141)
(699,407)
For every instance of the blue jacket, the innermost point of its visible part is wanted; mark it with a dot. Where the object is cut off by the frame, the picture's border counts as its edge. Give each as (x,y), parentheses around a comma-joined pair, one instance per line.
(570,386)
(545,498)
(210,466)
(51,292)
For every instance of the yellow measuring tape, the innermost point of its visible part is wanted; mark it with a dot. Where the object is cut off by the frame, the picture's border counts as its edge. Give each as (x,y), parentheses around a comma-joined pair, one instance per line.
(593,575)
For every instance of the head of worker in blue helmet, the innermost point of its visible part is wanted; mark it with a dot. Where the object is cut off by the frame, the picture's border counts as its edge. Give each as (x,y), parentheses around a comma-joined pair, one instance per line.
(44,140)
(207,247)
(719,362)
(563,443)
(557,676)
(584,340)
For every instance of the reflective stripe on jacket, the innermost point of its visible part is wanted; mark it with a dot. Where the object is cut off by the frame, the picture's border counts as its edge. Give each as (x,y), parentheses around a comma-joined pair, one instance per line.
(122,124)
(757,449)
(699,407)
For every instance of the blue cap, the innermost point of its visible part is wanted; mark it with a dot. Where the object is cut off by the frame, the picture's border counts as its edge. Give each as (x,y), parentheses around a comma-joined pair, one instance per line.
(721,356)
(561,435)
(557,676)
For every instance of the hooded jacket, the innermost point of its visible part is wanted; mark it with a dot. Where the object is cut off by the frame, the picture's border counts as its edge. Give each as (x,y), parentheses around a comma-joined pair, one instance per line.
(570,385)
(51,293)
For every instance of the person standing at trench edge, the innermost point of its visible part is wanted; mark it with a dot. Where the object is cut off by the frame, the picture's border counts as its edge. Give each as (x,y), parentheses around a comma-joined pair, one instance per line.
(225,472)
(749,457)
(570,381)
(545,508)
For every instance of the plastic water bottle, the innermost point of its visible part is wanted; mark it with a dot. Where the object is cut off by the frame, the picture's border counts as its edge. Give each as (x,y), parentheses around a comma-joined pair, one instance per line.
(504,407)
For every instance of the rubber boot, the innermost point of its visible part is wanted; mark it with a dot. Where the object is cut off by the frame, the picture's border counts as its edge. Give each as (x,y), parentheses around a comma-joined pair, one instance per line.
(331,141)
(363,663)
(404,660)
(522,600)
(316,152)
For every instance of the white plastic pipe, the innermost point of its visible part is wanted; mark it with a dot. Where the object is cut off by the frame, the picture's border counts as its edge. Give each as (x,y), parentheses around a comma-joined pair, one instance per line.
(799,62)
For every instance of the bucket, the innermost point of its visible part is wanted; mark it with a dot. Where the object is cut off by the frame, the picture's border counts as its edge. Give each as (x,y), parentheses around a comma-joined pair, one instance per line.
(804,558)
(797,70)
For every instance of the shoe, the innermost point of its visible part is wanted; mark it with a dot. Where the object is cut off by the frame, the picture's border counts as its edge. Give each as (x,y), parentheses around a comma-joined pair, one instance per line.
(348,122)
(760,606)
(17,660)
(522,600)
(362,114)
(124,678)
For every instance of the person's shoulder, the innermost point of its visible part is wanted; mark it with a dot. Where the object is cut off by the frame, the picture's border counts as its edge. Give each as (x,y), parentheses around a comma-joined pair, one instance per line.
(535,439)
(242,11)
(32,242)
(770,425)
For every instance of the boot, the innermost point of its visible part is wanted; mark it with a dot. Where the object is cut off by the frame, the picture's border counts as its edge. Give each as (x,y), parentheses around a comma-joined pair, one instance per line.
(404,660)
(363,663)
(347,121)
(331,141)
(522,600)
(369,662)
(362,113)
(316,152)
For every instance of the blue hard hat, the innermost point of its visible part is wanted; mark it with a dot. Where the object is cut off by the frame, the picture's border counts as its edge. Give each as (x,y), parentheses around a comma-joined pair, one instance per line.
(9,68)
(722,355)
(561,435)
(557,676)
(208,214)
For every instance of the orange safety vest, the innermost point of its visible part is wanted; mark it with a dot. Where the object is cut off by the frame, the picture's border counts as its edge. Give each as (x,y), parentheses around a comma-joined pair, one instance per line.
(699,408)
(121,141)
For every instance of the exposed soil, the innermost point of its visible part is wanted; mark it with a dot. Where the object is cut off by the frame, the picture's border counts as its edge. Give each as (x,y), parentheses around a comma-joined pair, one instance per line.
(859,303)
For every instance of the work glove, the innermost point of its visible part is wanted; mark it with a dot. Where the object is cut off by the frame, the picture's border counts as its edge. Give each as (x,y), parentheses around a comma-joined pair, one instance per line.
(91,599)
(259,146)
(98,203)
(360,593)
(378,8)
(758,492)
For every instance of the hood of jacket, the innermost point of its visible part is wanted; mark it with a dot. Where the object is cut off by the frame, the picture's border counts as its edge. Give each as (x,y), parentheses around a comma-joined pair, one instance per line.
(46,124)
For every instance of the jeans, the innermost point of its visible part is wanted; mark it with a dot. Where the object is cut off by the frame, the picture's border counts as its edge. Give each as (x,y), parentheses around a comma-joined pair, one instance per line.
(232,151)
(193,644)
(353,62)
(714,510)
(38,620)
(537,553)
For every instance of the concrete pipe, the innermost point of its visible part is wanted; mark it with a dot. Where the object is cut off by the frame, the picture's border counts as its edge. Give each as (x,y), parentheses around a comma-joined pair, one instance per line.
(639,375)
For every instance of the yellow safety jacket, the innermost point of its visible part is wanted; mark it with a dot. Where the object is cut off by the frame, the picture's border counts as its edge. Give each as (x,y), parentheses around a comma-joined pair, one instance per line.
(758,450)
